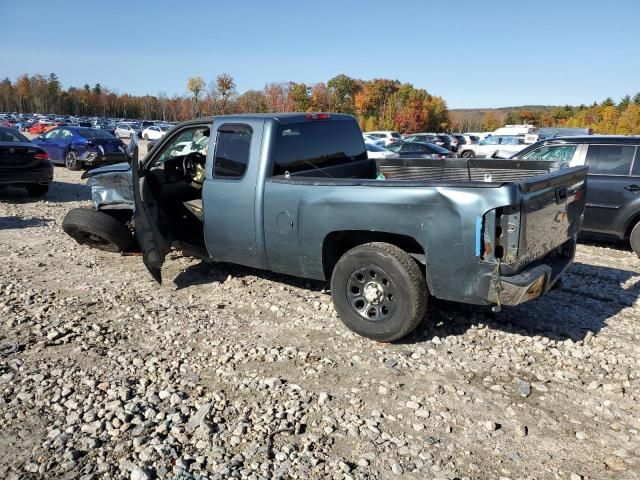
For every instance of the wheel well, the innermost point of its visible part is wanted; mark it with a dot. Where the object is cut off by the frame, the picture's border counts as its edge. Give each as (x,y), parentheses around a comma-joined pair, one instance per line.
(632,223)
(337,243)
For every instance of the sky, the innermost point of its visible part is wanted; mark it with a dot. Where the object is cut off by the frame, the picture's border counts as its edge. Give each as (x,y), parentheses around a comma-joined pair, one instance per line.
(474,54)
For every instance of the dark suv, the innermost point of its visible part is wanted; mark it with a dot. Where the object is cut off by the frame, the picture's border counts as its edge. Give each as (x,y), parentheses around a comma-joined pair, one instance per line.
(613,181)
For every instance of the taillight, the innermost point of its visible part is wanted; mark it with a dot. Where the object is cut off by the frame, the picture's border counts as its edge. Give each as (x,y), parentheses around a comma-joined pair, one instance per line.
(317,116)
(41,156)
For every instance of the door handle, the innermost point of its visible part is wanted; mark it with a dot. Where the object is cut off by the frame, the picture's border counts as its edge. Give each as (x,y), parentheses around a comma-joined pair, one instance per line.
(632,188)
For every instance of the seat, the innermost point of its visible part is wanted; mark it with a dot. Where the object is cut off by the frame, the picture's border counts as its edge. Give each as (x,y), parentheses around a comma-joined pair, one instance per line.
(195,207)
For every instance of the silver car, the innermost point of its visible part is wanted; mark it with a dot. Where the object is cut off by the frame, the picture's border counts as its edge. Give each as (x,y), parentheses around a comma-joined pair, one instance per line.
(127,130)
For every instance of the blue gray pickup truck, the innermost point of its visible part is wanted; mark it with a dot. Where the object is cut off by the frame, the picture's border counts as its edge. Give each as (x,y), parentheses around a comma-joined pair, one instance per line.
(295,193)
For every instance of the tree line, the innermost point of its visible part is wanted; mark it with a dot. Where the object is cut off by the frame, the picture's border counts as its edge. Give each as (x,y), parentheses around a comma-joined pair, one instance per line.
(606,117)
(378,103)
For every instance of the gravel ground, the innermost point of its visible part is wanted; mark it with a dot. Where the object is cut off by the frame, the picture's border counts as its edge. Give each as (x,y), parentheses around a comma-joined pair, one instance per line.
(225,371)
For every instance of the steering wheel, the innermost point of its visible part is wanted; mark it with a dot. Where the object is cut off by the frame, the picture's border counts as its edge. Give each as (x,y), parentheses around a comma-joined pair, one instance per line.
(193,167)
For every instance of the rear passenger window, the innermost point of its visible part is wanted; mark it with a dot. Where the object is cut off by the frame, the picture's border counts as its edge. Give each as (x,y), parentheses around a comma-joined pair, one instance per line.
(317,145)
(610,159)
(232,151)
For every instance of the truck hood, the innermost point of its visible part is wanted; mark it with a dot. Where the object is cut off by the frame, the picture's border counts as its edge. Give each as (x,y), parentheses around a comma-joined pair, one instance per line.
(111,186)
(116,167)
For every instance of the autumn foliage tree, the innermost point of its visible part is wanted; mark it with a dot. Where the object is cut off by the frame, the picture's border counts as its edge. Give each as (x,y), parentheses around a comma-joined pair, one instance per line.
(377,104)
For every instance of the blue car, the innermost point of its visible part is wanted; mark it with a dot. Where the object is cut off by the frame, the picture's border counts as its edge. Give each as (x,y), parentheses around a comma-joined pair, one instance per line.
(77,147)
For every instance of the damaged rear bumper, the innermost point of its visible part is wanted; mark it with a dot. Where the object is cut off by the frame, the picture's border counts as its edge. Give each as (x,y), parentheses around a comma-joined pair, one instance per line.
(528,283)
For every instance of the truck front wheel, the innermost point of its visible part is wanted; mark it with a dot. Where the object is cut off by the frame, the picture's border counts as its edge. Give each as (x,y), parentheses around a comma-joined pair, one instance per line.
(379,291)
(97,229)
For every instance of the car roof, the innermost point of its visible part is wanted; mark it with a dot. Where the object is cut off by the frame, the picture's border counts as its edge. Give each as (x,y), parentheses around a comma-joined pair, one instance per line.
(601,139)
(282,118)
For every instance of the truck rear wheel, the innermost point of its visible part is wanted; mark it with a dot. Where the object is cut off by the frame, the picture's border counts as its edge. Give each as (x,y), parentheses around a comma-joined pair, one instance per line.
(97,229)
(634,239)
(379,291)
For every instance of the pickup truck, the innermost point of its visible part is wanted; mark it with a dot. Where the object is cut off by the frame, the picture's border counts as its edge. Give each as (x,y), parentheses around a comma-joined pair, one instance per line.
(295,193)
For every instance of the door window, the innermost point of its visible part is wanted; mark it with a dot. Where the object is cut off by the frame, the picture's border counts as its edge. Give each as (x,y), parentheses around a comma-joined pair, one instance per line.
(233,146)
(552,153)
(490,141)
(52,134)
(190,140)
(610,159)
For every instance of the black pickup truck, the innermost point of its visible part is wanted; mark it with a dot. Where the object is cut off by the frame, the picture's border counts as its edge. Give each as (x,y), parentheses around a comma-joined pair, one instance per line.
(295,193)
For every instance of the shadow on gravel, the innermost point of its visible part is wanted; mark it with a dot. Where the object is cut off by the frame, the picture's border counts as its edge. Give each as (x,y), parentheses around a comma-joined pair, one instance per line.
(58,192)
(596,240)
(16,223)
(590,296)
(209,272)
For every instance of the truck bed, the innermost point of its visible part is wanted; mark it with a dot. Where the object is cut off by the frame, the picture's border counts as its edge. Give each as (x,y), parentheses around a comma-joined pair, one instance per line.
(463,169)
(425,172)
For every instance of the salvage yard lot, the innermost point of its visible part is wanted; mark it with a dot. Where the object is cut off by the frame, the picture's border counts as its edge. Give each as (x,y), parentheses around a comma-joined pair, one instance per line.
(227,371)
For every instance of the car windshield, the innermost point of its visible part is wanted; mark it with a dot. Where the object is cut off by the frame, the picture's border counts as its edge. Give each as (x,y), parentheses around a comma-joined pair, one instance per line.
(436,148)
(94,133)
(10,135)
(395,147)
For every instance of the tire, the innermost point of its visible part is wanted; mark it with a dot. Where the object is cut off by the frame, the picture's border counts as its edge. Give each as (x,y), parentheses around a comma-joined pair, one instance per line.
(634,239)
(388,273)
(467,154)
(71,161)
(97,229)
(37,190)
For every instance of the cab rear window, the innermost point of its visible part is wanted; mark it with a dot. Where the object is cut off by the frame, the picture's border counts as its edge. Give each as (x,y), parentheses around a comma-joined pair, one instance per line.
(317,144)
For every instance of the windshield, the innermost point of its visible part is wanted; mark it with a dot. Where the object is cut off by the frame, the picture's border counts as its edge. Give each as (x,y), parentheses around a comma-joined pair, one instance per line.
(95,133)
(438,149)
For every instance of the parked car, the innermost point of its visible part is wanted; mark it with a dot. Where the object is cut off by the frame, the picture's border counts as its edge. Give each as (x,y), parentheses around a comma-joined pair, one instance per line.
(457,141)
(40,127)
(470,139)
(76,147)
(127,130)
(499,146)
(311,206)
(419,149)
(155,132)
(374,140)
(439,139)
(23,164)
(376,151)
(613,196)
(387,136)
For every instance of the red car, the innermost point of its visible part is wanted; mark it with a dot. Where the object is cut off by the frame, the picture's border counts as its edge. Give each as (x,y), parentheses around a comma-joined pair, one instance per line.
(39,128)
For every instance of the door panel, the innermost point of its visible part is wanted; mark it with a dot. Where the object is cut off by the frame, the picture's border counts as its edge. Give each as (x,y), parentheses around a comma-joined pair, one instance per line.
(229,193)
(608,187)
